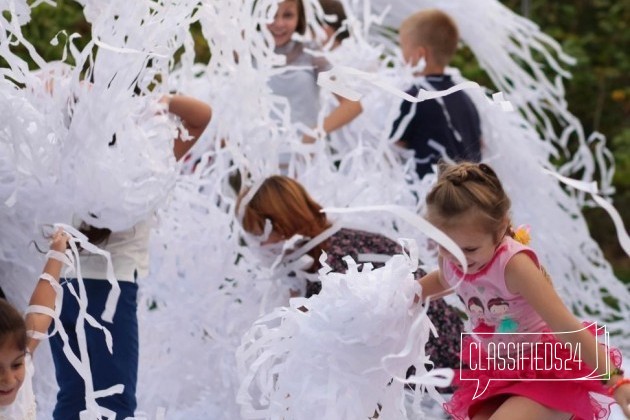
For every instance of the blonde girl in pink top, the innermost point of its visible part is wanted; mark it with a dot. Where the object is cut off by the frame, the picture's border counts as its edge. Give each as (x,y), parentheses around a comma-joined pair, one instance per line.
(507,292)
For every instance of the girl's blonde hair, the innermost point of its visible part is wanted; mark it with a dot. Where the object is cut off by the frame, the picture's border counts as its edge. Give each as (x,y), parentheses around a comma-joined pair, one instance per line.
(466,187)
(12,326)
(288,206)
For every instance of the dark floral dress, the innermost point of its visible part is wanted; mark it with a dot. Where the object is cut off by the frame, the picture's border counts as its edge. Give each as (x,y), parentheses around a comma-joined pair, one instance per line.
(443,350)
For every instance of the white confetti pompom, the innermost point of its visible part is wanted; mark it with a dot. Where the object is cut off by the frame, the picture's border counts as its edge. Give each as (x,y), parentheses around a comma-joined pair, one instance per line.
(342,353)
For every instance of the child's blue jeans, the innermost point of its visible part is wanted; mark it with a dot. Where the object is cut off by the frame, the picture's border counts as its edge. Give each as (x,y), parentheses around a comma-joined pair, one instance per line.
(121,367)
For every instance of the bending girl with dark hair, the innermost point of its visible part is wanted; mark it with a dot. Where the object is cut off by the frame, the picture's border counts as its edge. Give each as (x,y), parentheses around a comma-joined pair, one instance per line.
(292,211)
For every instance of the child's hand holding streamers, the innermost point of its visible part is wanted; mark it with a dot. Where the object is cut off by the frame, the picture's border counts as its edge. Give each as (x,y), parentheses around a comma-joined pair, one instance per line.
(45,302)
(59,241)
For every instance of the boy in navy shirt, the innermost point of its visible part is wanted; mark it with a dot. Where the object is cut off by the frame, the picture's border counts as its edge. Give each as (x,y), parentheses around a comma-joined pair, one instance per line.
(444,127)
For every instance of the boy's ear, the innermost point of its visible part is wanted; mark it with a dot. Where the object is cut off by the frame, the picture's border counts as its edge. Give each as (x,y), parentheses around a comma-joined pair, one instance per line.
(427,54)
(417,53)
(422,51)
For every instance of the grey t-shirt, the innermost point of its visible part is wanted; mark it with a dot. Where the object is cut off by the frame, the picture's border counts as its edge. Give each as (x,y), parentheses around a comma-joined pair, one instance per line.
(298,81)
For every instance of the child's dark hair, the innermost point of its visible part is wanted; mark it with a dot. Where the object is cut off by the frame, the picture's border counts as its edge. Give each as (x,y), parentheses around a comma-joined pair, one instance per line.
(334,7)
(12,326)
(469,186)
(497,302)
(95,235)
(475,301)
(301,24)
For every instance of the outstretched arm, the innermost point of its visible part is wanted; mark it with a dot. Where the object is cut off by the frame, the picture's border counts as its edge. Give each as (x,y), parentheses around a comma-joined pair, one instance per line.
(345,112)
(432,286)
(195,116)
(522,276)
(44,294)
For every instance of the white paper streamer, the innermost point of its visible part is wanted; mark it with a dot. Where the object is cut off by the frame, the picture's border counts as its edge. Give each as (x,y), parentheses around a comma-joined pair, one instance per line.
(331,359)
(591,187)
(206,286)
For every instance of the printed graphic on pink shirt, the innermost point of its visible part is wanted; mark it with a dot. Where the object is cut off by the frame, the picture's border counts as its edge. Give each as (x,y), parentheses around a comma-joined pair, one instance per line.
(494,319)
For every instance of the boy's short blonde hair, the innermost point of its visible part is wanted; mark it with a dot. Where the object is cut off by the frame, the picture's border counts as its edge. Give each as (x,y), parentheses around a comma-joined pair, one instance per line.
(434,30)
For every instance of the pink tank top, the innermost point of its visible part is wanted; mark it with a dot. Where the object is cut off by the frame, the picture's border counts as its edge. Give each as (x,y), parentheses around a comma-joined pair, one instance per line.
(491,307)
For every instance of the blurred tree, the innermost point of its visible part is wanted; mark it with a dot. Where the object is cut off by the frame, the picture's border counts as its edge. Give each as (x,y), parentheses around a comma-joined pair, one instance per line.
(48,22)
(596,33)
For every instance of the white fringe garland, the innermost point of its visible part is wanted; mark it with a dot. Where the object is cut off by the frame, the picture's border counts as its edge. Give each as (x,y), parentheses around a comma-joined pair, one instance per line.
(207,286)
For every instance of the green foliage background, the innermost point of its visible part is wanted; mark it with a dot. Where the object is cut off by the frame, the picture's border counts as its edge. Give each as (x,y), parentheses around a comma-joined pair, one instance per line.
(595,32)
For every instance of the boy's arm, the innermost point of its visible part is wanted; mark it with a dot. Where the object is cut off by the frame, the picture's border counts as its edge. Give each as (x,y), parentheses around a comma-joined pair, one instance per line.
(195,116)
(44,294)
(343,114)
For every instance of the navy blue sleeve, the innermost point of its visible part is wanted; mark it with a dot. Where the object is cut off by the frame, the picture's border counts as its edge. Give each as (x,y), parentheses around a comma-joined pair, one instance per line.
(405,109)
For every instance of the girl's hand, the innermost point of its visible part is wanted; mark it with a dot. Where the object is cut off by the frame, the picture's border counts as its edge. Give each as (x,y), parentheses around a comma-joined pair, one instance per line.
(59,241)
(622,396)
